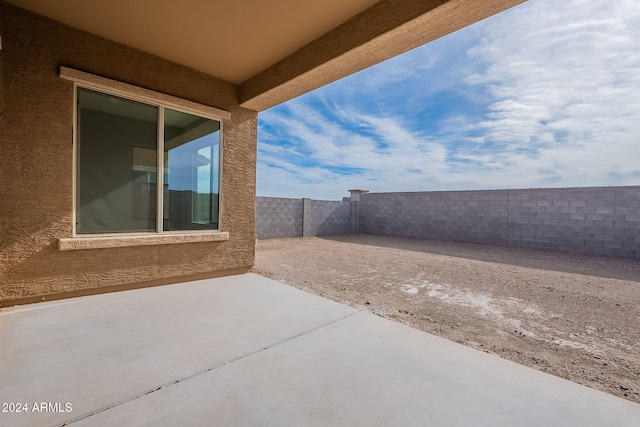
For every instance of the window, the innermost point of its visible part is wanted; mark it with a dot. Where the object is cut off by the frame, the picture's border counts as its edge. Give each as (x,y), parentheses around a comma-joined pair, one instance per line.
(143,167)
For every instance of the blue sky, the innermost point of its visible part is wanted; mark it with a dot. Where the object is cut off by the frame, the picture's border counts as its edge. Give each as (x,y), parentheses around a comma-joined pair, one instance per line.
(546,94)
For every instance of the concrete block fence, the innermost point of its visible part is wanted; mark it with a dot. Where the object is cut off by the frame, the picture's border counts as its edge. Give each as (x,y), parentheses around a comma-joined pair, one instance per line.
(598,221)
(590,220)
(463,216)
(280,217)
(329,217)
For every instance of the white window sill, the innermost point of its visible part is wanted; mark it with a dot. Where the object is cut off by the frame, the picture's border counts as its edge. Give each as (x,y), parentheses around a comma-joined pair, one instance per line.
(78,243)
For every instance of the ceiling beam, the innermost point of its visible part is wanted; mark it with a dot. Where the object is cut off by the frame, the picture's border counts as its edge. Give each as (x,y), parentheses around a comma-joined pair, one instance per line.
(384,30)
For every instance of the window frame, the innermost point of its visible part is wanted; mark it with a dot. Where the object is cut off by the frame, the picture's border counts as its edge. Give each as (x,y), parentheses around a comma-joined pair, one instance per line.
(161,101)
(211,178)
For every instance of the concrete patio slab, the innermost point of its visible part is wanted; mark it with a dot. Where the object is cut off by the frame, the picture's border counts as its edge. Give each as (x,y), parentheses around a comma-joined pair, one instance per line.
(96,351)
(159,356)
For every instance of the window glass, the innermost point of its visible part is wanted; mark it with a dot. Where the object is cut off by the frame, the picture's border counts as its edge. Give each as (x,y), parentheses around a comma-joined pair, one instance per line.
(118,171)
(117,164)
(191,145)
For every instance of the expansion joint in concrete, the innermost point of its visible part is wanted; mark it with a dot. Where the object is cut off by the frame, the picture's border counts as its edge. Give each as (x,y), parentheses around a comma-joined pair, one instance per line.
(204,371)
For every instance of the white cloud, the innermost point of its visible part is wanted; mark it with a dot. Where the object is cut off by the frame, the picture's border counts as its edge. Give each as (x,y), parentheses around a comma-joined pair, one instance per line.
(336,151)
(565,77)
(549,95)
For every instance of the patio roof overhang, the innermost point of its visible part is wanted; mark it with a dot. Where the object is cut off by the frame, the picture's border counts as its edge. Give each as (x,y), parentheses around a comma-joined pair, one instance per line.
(273,50)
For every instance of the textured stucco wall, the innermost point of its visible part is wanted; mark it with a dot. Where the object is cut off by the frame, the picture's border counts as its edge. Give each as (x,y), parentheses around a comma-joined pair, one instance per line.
(593,220)
(36,163)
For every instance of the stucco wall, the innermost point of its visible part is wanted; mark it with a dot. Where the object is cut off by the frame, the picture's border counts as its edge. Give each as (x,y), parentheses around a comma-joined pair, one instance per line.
(36,163)
(592,220)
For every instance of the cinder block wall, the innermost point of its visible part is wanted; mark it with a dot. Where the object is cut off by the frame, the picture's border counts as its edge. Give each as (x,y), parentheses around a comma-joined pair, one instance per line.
(278,217)
(600,221)
(330,217)
(462,216)
(592,220)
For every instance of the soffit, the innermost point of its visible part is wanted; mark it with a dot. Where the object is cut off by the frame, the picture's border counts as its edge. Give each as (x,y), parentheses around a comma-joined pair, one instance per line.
(274,50)
(230,39)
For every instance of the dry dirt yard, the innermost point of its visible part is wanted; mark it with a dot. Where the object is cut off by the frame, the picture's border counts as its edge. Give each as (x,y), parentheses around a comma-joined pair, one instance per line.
(572,316)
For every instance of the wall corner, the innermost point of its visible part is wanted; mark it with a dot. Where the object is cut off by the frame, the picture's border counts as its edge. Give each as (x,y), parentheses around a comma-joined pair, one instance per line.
(355,202)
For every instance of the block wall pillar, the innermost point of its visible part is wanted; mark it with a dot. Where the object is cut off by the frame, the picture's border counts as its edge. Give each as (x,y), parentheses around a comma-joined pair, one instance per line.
(306,217)
(355,199)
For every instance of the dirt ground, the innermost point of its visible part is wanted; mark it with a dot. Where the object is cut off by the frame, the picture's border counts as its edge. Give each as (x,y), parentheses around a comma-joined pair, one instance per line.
(572,316)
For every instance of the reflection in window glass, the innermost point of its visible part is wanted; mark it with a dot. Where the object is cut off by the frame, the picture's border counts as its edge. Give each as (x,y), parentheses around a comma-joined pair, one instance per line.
(191,146)
(117,152)
(118,167)
(202,196)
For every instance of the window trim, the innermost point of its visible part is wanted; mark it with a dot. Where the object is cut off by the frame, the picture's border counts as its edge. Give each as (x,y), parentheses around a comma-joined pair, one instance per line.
(148,239)
(140,94)
(107,86)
